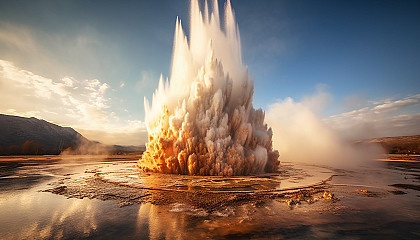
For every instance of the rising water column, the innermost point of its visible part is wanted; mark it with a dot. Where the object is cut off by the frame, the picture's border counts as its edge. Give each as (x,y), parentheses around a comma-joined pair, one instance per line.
(201,121)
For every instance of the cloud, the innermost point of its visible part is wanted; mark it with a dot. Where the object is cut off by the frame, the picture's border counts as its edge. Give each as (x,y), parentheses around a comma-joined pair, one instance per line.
(81,104)
(133,133)
(81,101)
(395,105)
(17,38)
(379,119)
(77,52)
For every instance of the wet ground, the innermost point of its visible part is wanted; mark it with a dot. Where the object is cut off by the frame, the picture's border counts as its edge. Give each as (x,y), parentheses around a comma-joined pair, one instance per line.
(67,197)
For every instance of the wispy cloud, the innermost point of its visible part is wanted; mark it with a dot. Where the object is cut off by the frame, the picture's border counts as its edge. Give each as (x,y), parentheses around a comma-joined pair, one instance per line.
(16,37)
(396,105)
(78,52)
(82,104)
(133,132)
(379,119)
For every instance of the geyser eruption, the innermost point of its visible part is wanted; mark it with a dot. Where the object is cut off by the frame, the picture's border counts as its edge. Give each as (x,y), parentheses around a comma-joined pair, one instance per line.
(202,121)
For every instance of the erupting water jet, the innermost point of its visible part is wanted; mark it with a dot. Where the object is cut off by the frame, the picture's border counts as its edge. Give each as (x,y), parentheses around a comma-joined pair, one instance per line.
(202,121)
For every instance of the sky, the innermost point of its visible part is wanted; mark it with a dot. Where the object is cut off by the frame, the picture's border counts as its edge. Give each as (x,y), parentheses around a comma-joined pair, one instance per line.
(89,64)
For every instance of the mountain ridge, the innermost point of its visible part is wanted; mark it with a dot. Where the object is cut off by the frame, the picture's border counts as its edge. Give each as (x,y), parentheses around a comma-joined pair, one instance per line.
(35,136)
(32,136)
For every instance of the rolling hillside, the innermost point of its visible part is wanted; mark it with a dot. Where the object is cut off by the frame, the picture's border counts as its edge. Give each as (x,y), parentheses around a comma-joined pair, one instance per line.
(32,136)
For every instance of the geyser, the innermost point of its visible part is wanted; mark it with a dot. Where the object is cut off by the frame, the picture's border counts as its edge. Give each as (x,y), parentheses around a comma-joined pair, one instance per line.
(202,121)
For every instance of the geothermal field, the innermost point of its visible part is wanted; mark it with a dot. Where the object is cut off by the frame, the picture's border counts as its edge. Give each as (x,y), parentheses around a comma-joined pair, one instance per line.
(106,197)
(212,168)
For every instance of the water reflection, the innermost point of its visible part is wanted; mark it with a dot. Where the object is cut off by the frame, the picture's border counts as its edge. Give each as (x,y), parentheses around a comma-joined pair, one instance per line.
(159,223)
(244,221)
(28,213)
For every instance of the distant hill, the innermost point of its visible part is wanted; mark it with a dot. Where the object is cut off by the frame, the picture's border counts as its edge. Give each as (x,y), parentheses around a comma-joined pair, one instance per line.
(398,145)
(32,136)
(20,135)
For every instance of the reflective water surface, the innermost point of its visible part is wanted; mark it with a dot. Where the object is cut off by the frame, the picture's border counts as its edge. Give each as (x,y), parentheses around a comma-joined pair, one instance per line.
(54,197)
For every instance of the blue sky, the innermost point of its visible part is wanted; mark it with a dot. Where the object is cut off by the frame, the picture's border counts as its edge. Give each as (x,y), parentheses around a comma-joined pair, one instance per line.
(357,53)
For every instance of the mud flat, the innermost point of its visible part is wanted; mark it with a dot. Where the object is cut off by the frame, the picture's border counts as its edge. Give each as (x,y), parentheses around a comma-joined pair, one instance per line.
(107,197)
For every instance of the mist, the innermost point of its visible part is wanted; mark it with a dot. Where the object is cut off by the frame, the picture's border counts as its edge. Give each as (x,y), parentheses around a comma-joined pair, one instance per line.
(300,135)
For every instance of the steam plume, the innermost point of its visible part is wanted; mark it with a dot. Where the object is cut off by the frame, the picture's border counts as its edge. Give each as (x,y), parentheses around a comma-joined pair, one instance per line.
(304,137)
(202,121)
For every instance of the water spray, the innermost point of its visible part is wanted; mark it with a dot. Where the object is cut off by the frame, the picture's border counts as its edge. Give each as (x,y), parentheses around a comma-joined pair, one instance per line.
(202,121)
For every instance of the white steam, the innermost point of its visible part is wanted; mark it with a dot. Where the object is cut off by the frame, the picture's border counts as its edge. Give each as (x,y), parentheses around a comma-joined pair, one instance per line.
(301,136)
